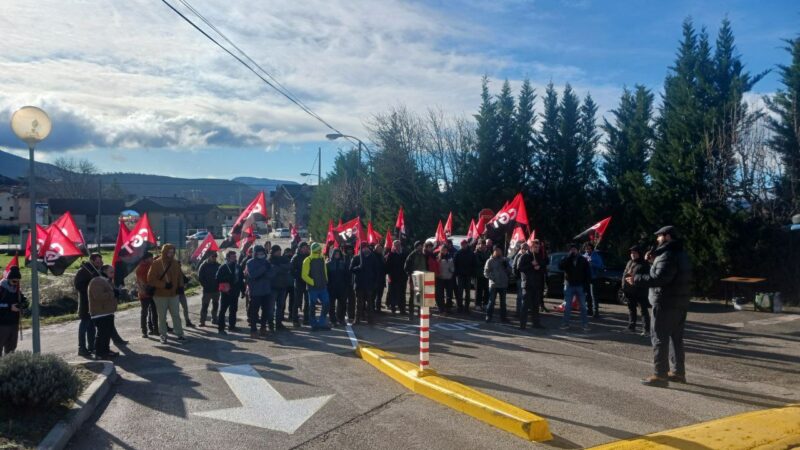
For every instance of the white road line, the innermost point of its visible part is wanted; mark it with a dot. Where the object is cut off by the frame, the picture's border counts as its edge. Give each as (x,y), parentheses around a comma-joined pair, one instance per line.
(351,335)
(768,321)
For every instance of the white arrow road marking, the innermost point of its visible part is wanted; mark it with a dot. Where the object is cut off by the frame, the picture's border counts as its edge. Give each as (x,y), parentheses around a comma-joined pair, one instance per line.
(262,406)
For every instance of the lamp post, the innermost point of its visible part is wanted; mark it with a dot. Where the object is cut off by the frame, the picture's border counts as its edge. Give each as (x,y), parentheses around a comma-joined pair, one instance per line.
(319,168)
(333,137)
(32,126)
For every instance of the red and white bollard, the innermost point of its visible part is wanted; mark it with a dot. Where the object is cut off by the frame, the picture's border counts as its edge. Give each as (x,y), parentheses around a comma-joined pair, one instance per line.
(428,298)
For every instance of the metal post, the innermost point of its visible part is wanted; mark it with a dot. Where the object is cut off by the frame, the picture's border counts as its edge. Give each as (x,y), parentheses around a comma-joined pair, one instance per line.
(319,166)
(35,258)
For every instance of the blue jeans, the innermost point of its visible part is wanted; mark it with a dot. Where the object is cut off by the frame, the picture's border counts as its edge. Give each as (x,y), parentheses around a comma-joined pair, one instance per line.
(493,291)
(324,299)
(569,292)
(86,334)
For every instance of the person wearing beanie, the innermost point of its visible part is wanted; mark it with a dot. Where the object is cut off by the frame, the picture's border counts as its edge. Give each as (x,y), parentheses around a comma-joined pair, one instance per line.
(259,274)
(315,275)
(12,303)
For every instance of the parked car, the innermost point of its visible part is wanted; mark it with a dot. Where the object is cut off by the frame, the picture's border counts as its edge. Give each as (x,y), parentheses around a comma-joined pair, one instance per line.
(610,278)
(455,238)
(281,233)
(199,236)
(303,232)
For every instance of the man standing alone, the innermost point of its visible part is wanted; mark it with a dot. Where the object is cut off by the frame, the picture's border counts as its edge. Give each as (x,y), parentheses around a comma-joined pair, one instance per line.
(669,281)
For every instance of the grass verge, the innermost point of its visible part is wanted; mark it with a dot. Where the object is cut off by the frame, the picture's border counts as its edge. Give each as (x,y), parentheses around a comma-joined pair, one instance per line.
(25,429)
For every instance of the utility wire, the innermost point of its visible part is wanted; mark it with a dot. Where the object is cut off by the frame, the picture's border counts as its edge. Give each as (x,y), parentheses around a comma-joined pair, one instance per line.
(255,72)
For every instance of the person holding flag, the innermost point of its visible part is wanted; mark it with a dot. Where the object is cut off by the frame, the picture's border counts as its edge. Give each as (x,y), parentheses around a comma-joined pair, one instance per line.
(207,275)
(86,332)
(596,266)
(230,281)
(12,303)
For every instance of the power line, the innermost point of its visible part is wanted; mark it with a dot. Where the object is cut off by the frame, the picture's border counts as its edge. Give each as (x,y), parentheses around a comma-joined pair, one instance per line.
(283,91)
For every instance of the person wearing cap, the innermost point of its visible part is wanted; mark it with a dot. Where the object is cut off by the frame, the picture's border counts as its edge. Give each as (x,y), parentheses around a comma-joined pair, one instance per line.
(207,274)
(148,319)
(669,284)
(315,275)
(12,303)
(300,288)
(395,262)
(259,278)
(230,282)
(465,263)
(576,275)
(637,296)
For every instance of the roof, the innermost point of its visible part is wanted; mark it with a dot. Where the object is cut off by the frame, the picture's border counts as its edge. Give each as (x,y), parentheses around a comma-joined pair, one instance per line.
(169,204)
(293,191)
(85,207)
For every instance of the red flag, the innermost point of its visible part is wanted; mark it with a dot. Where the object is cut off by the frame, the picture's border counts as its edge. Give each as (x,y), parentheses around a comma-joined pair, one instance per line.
(440,236)
(138,241)
(471,233)
(293,232)
(60,252)
(513,213)
(340,224)
(400,224)
(448,226)
(67,226)
(373,237)
(595,232)
(389,240)
(350,233)
(41,238)
(249,238)
(517,237)
(255,211)
(209,244)
(13,263)
(480,227)
(330,238)
(122,235)
(532,238)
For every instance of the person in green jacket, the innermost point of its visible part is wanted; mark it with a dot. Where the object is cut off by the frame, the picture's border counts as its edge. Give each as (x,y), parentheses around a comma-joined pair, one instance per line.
(315,275)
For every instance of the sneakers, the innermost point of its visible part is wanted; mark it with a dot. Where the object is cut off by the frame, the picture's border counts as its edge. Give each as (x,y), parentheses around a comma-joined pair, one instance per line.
(674,377)
(85,353)
(656,381)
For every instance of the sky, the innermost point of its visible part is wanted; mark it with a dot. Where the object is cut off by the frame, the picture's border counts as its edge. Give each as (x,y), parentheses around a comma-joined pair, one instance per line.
(132,87)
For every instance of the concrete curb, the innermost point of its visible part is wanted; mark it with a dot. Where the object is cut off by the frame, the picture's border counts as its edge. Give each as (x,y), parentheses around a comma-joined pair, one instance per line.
(457,396)
(769,429)
(83,408)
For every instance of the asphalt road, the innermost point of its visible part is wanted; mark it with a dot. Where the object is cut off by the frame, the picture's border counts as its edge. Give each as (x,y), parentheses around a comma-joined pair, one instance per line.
(585,383)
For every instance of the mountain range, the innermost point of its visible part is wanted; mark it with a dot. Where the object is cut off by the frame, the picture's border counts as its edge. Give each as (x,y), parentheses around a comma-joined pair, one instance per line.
(206,190)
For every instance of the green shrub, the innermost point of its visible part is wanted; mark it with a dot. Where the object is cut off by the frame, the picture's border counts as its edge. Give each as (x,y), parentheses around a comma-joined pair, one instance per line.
(30,380)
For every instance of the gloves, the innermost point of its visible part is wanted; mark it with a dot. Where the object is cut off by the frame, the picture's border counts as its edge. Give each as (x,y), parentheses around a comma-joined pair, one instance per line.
(168,285)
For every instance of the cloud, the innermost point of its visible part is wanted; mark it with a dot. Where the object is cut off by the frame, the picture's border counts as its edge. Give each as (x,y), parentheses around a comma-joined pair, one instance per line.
(134,75)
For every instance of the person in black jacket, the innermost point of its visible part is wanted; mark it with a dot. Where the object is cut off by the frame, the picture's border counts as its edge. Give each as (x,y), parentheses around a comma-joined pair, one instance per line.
(300,289)
(637,296)
(280,284)
(12,303)
(365,278)
(482,254)
(338,279)
(531,269)
(380,287)
(350,295)
(669,282)
(395,268)
(230,276)
(207,274)
(466,263)
(576,275)
(86,331)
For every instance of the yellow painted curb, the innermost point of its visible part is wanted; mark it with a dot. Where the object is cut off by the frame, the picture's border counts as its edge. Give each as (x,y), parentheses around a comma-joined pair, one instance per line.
(770,429)
(457,396)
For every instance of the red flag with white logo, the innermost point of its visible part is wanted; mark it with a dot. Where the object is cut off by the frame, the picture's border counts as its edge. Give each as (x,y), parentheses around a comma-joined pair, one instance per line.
(514,213)
(122,235)
(13,263)
(67,226)
(480,227)
(255,211)
(138,241)
(594,233)
(206,247)
(41,238)
(59,251)
(330,238)
(389,241)
(518,237)
(350,233)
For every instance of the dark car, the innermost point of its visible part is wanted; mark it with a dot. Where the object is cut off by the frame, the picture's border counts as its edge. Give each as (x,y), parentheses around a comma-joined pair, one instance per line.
(610,278)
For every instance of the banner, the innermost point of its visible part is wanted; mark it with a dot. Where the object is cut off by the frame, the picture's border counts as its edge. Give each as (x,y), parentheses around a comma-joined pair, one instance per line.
(532,238)
(140,239)
(208,245)
(480,227)
(594,234)
(255,211)
(66,224)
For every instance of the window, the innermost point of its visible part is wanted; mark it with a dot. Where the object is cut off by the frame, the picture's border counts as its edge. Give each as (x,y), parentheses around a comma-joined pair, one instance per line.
(12,209)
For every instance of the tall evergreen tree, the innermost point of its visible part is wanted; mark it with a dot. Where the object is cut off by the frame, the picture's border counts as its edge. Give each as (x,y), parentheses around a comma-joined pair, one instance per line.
(589,137)
(507,170)
(524,136)
(547,169)
(785,124)
(474,187)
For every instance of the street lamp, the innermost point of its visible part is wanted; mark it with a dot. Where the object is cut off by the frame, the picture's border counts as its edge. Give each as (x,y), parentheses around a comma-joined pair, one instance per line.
(333,137)
(32,126)
(319,167)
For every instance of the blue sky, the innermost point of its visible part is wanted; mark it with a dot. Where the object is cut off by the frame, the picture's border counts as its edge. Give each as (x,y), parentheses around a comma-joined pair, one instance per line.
(133,88)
